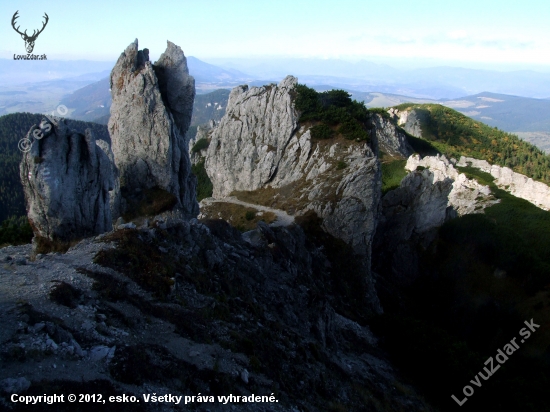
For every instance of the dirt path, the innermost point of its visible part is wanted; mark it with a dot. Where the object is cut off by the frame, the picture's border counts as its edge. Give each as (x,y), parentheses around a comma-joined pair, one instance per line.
(283,219)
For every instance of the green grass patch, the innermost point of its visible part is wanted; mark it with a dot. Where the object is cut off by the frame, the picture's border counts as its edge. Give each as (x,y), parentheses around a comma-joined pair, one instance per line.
(204,184)
(421,146)
(341,165)
(392,174)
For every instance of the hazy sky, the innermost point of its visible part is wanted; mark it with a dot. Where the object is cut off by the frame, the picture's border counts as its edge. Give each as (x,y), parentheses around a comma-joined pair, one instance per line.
(499,31)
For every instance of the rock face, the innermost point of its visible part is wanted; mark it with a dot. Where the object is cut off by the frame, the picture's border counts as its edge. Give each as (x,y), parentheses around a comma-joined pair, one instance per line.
(517,184)
(259,143)
(66,178)
(150,114)
(431,194)
(467,196)
(252,138)
(409,120)
(386,137)
(260,148)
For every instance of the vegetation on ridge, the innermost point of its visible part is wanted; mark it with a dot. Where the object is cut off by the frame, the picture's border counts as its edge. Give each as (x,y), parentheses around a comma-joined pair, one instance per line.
(455,135)
(204,184)
(334,112)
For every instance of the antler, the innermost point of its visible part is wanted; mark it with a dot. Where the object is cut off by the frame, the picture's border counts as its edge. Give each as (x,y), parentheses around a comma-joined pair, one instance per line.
(35,35)
(15,16)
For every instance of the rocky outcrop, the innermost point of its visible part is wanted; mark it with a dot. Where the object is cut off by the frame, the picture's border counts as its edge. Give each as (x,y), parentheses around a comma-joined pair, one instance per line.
(260,144)
(432,193)
(386,137)
(66,178)
(515,183)
(252,138)
(260,150)
(467,196)
(409,120)
(150,114)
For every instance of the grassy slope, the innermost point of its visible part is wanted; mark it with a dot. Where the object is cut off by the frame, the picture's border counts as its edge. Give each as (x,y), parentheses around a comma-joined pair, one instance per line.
(392,174)
(457,135)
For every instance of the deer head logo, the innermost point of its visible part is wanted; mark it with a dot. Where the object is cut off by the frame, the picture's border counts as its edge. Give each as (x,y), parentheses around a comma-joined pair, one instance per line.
(29,40)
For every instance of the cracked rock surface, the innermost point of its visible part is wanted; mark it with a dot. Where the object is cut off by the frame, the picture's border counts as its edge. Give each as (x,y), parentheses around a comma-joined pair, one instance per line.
(66,178)
(150,114)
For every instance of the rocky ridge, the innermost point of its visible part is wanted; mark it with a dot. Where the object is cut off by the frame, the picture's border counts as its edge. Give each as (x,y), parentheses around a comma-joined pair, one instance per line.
(203,132)
(409,120)
(260,153)
(432,193)
(516,184)
(259,145)
(388,138)
(467,196)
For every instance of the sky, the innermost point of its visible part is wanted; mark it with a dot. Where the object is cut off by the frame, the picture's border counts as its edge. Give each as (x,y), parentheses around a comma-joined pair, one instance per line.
(466,32)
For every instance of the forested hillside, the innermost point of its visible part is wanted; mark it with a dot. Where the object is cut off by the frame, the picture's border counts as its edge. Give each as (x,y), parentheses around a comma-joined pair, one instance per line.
(14,127)
(458,135)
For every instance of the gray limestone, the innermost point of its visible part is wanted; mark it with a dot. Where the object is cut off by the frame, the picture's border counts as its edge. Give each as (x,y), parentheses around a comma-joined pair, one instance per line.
(252,137)
(387,138)
(515,183)
(260,144)
(150,114)
(66,178)
(409,120)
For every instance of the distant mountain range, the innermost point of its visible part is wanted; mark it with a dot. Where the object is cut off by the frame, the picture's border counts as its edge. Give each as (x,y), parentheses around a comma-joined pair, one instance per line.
(209,77)
(433,82)
(87,95)
(91,102)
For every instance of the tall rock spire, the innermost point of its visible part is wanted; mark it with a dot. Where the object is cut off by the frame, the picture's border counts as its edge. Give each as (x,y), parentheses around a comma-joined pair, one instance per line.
(150,114)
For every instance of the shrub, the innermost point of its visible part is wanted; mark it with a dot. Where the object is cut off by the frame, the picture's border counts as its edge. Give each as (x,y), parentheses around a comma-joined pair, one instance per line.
(333,108)
(382,111)
(200,144)
(15,231)
(321,131)
(65,294)
(204,184)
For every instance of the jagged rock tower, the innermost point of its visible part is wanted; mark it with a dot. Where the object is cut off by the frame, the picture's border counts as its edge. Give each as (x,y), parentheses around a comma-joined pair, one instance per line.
(66,178)
(260,147)
(150,114)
